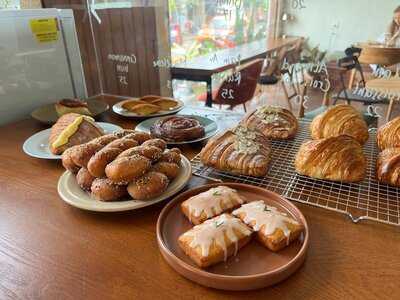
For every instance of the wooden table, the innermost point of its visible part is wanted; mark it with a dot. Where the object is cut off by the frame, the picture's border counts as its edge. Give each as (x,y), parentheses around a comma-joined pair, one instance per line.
(50,250)
(202,68)
(390,86)
(379,54)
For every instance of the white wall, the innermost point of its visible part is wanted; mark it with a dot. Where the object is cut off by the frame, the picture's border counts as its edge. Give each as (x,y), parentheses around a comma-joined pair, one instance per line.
(356,20)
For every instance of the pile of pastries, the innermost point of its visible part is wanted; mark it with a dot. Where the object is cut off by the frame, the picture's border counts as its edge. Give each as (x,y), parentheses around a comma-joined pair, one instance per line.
(225,223)
(245,149)
(123,163)
(335,152)
(150,104)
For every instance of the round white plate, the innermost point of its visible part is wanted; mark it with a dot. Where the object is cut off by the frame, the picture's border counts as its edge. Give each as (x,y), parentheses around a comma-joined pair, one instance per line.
(70,192)
(210,128)
(38,144)
(118,109)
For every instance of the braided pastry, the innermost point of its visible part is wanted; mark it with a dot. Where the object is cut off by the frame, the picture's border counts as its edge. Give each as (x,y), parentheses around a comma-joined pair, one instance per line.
(336,158)
(388,166)
(238,151)
(388,136)
(273,122)
(337,120)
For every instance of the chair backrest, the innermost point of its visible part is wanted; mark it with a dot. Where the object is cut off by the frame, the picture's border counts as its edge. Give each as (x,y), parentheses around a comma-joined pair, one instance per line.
(240,86)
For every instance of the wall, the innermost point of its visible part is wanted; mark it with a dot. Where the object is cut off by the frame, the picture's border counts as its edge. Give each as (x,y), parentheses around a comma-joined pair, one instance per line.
(355,21)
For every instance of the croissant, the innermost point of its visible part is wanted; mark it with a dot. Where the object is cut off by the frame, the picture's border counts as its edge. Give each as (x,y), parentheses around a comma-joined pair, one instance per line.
(388,136)
(336,158)
(70,130)
(238,151)
(272,121)
(337,120)
(388,166)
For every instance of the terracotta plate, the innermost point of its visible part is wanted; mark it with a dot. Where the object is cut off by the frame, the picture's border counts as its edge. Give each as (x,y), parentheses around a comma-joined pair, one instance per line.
(254,267)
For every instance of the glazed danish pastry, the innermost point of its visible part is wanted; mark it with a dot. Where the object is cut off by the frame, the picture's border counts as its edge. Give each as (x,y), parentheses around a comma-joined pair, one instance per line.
(215,240)
(388,135)
(211,203)
(275,230)
(238,151)
(339,158)
(339,120)
(388,166)
(272,121)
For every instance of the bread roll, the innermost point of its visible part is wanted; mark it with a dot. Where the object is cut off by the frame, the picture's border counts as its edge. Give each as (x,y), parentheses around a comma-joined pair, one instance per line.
(149,186)
(159,143)
(126,169)
(151,152)
(171,170)
(104,189)
(84,179)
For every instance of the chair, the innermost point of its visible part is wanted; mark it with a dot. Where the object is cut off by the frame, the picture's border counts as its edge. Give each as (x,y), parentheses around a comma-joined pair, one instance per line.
(240,86)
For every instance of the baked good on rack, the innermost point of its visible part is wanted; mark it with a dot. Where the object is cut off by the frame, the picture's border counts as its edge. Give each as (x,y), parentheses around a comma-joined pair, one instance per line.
(66,106)
(148,186)
(388,166)
(238,151)
(338,158)
(215,240)
(70,130)
(338,120)
(84,179)
(211,203)
(272,121)
(388,135)
(165,103)
(126,169)
(103,189)
(177,129)
(275,229)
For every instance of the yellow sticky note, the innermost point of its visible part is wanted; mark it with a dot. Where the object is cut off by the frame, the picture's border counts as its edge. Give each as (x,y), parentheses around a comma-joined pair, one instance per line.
(45,30)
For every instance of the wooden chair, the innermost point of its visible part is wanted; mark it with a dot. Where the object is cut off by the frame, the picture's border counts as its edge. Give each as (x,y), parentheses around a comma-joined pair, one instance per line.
(240,86)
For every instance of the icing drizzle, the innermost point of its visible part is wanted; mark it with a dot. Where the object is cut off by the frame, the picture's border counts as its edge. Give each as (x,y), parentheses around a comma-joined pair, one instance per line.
(215,230)
(212,201)
(266,218)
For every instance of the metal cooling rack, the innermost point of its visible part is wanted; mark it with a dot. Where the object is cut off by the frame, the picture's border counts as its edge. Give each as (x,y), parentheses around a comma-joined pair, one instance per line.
(368,200)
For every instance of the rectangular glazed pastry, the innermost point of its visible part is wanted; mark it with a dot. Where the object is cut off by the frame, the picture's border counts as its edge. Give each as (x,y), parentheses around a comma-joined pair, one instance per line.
(211,203)
(275,230)
(215,240)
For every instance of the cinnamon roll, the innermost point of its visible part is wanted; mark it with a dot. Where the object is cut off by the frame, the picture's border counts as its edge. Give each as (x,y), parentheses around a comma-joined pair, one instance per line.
(178,129)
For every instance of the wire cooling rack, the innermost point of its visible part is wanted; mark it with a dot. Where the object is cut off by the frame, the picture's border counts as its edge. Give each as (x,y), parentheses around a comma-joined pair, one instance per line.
(367,200)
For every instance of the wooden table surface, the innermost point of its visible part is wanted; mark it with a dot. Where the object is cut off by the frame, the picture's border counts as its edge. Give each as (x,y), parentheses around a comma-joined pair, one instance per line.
(379,54)
(50,250)
(225,59)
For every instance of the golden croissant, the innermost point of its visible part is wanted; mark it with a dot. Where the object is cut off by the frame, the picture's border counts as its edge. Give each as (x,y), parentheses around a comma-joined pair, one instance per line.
(238,151)
(337,120)
(388,136)
(272,121)
(338,158)
(388,166)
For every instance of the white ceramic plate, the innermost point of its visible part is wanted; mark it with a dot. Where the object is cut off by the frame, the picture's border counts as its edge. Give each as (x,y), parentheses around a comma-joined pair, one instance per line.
(118,109)
(38,144)
(210,128)
(70,192)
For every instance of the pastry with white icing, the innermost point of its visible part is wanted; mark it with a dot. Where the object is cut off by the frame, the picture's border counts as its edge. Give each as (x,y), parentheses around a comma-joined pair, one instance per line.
(215,240)
(211,203)
(275,229)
